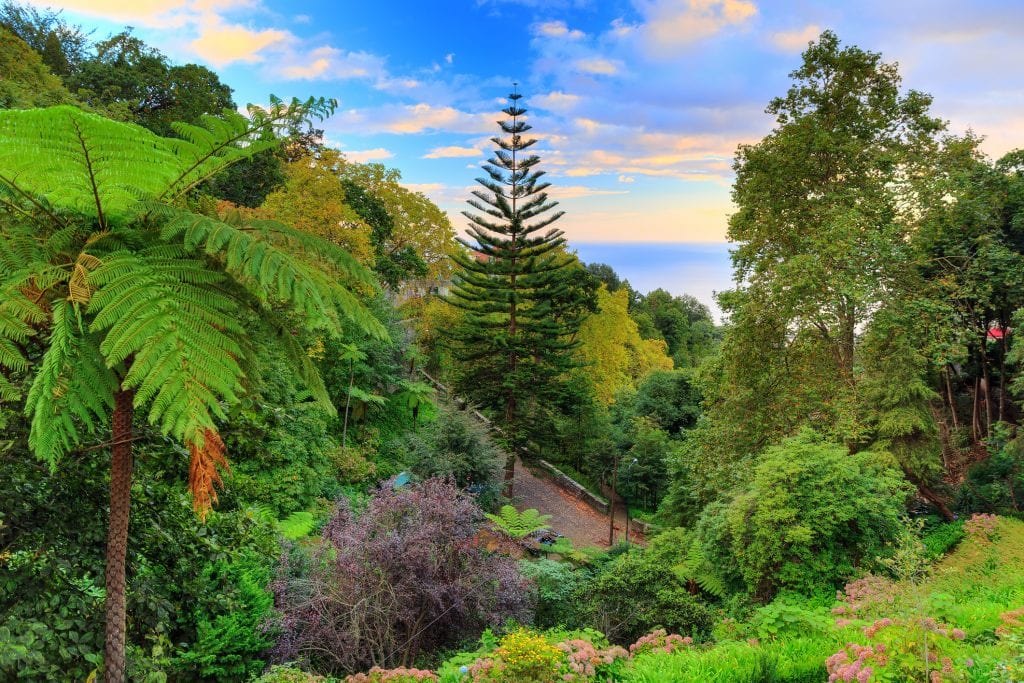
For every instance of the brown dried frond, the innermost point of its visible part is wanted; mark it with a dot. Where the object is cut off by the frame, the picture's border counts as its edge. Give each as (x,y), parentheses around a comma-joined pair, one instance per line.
(208,458)
(79,289)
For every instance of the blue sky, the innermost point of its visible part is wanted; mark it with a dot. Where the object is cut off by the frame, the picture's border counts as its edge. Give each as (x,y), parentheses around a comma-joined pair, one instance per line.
(639,104)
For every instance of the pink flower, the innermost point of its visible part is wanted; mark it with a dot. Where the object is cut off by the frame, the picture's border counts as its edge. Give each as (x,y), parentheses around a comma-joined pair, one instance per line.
(958,634)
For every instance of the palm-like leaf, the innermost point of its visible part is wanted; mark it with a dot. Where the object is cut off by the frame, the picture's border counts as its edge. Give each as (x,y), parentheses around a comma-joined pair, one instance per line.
(518,524)
(142,294)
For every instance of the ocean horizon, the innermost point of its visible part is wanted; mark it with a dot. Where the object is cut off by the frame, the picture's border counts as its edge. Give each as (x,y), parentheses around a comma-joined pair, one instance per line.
(700,269)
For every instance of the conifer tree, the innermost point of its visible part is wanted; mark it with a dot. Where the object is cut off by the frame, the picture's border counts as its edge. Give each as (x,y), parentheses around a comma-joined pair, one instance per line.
(521,295)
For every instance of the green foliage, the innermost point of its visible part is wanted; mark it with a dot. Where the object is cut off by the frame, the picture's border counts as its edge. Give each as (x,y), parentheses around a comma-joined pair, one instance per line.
(670,398)
(523,299)
(810,515)
(791,661)
(997,483)
(455,445)
(233,629)
(288,674)
(26,82)
(183,573)
(788,619)
(124,305)
(695,568)
(560,592)
(296,525)
(943,538)
(516,524)
(684,323)
(643,471)
(639,590)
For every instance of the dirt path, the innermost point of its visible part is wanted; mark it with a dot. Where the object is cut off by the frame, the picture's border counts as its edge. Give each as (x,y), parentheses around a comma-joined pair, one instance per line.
(570,516)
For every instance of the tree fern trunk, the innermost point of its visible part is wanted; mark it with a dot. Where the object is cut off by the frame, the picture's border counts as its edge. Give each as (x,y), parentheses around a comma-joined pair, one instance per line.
(117,537)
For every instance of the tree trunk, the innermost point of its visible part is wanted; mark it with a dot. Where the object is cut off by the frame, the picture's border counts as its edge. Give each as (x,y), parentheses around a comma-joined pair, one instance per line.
(952,399)
(986,386)
(1002,370)
(117,537)
(931,495)
(348,404)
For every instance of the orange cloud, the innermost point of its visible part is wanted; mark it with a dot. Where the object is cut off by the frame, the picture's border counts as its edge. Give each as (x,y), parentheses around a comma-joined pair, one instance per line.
(221,44)
(795,41)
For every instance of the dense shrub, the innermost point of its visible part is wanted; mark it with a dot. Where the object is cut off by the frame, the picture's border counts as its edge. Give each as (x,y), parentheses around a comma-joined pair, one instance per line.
(455,445)
(560,592)
(396,582)
(182,573)
(640,589)
(996,484)
(810,516)
(670,398)
(942,538)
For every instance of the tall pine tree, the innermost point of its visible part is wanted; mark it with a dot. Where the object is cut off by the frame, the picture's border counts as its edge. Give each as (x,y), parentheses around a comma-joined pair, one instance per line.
(522,295)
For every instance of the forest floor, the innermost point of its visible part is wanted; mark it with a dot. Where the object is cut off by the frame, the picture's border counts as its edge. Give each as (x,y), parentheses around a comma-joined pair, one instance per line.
(570,516)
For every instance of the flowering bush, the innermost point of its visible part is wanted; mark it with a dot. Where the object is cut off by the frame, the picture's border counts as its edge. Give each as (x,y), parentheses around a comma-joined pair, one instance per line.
(863,597)
(521,656)
(982,527)
(399,675)
(660,641)
(902,650)
(584,660)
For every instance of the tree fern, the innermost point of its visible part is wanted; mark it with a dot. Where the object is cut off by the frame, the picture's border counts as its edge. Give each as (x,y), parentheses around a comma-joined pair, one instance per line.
(156,289)
(518,524)
(697,568)
(143,299)
(296,525)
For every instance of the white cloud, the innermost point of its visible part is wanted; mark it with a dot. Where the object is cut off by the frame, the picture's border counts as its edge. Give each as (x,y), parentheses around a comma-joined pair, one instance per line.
(556,101)
(597,66)
(557,29)
(796,40)
(449,58)
(451,152)
(362,156)
(413,118)
(626,179)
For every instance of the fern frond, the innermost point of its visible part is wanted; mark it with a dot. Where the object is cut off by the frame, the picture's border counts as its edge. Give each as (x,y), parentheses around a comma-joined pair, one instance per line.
(82,162)
(296,525)
(272,273)
(178,337)
(518,525)
(697,568)
(207,459)
(73,392)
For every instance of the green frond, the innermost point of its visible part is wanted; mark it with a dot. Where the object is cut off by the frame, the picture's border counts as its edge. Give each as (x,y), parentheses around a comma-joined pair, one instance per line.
(303,364)
(72,393)
(518,524)
(270,272)
(697,568)
(177,333)
(296,525)
(82,162)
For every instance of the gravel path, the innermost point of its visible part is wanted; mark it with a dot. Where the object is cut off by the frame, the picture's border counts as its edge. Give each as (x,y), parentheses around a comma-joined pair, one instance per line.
(570,516)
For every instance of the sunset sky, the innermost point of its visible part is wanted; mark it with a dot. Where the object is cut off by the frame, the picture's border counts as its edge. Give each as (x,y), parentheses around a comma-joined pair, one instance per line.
(639,104)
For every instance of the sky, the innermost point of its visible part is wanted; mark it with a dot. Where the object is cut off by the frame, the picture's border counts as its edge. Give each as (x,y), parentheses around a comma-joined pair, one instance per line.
(639,105)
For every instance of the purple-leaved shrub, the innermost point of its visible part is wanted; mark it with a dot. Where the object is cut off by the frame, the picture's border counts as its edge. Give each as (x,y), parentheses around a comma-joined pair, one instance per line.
(400,579)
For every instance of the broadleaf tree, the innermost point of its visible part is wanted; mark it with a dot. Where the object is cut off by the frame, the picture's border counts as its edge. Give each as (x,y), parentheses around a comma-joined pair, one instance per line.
(515,286)
(139,301)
